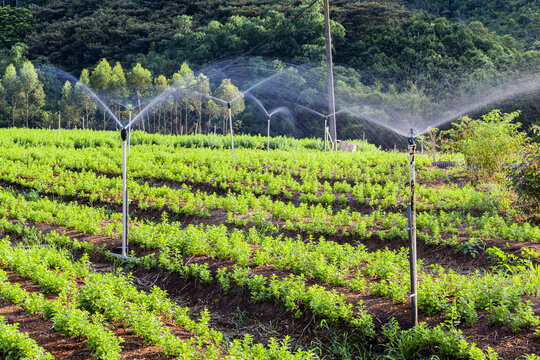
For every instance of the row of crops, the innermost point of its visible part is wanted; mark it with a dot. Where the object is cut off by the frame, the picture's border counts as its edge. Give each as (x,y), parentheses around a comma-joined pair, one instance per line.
(320,235)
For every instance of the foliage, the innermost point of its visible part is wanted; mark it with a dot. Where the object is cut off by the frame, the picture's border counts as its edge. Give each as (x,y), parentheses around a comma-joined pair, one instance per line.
(489,143)
(524,177)
(15,25)
(518,18)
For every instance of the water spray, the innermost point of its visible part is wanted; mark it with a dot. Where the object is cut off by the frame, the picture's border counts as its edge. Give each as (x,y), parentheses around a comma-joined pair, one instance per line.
(411,214)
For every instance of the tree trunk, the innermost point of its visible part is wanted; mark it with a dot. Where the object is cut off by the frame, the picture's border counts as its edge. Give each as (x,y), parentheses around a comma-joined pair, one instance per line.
(13,109)
(142,117)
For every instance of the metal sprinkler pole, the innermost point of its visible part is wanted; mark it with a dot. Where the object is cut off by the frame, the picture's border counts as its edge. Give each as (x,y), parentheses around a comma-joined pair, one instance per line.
(124,134)
(268,140)
(411,210)
(129,132)
(363,140)
(230,125)
(325,136)
(59,122)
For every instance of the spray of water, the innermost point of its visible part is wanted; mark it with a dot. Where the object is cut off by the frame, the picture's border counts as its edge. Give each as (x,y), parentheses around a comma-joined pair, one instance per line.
(281,109)
(92,94)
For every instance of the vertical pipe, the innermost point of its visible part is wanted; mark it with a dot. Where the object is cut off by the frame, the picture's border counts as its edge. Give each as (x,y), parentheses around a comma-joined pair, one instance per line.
(330,74)
(363,140)
(325,133)
(124,135)
(230,125)
(129,133)
(268,132)
(59,123)
(412,230)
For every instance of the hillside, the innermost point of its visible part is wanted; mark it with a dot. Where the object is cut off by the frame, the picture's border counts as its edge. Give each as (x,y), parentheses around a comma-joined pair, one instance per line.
(442,48)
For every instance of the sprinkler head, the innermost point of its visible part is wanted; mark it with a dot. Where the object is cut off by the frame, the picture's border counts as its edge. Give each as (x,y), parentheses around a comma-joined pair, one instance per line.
(411,138)
(123,134)
(228,105)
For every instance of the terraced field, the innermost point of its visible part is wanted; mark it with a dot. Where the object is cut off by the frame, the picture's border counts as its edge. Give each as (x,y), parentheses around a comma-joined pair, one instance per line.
(288,254)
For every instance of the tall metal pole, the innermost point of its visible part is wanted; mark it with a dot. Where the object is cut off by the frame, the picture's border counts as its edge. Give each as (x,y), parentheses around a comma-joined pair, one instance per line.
(412,229)
(230,125)
(59,122)
(325,136)
(330,73)
(363,140)
(124,135)
(129,132)
(268,140)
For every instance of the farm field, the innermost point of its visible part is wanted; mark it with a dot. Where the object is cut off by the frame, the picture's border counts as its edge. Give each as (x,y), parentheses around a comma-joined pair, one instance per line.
(293,253)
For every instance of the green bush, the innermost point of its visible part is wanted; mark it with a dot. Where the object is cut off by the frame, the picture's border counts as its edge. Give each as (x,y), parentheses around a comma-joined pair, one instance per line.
(489,143)
(524,177)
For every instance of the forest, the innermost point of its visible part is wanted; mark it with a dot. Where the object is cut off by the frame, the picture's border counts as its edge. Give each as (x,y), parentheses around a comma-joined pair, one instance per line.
(420,44)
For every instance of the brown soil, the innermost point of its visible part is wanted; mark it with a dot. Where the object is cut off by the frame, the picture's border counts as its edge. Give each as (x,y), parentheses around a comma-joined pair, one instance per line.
(61,347)
(235,314)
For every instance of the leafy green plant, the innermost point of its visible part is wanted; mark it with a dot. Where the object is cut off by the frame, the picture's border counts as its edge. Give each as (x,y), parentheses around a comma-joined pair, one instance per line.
(471,247)
(524,176)
(487,143)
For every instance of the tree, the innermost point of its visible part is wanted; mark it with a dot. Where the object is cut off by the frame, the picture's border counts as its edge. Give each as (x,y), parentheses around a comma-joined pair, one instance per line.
(213,111)
(227,91)
(33,97)
(181,81)
(15,25)
(139,79)
(161,85)
(13,91)
(202,86)
(69,106)
(117,83)
(99,80)
(84,98)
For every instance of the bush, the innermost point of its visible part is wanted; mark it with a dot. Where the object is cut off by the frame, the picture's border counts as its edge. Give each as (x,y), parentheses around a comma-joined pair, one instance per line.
(489,143)
(524,177)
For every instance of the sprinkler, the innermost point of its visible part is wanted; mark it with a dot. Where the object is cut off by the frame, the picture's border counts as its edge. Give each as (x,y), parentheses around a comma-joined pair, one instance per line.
(411,213)
(124,134)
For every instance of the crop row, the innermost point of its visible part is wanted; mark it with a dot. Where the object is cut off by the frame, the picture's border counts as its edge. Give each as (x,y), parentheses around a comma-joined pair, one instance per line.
(112,297)
(262,211)
(337,264)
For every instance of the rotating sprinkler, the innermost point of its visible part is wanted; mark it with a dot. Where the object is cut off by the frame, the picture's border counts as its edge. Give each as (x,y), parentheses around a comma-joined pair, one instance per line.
(411,214)
(124,134)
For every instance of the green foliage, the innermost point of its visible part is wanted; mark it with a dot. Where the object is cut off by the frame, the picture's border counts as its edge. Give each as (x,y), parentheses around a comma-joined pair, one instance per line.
(471,247)
(518,18)
(489,143)
(524,177)
(17,345)
(15,25)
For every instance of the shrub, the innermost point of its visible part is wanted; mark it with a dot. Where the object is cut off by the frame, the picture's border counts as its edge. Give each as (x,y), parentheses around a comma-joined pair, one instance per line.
(488,143)
(524,177)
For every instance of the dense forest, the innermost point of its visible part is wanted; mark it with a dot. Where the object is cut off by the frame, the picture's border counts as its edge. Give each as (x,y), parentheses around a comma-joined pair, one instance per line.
(424,44)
